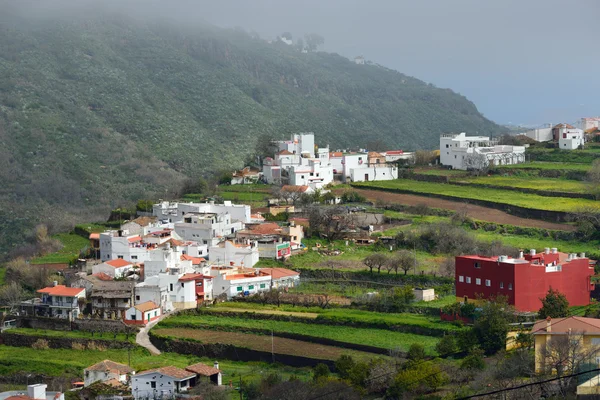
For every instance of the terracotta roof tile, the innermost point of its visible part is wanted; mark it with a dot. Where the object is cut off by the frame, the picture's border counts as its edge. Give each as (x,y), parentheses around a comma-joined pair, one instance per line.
(108,365)
(202,369)
(285,153)
(118,263)
(278,273)
(61,290)
(147,306)
(134,239)
(171,371)
(102,276)
(94,236)
(144,221)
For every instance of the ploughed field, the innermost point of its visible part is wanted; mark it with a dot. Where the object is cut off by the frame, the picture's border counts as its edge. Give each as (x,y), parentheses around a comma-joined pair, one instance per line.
(280,346)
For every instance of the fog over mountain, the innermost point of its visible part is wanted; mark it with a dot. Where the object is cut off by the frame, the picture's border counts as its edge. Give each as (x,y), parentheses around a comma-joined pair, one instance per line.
(527,62)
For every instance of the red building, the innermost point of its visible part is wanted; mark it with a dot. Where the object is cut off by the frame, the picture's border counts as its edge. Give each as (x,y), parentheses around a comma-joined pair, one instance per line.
(525,280)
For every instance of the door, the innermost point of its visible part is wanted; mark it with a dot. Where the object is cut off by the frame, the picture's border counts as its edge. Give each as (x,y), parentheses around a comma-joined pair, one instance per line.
(366,177)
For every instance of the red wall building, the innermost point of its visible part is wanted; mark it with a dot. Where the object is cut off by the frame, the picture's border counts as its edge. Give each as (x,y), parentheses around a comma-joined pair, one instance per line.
(526,279)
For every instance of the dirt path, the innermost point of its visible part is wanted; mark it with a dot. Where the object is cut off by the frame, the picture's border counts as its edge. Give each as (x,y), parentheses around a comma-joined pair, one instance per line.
(474,211)
(143,339)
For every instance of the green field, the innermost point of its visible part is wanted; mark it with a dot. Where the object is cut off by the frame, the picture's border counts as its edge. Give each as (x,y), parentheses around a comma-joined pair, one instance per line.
(73,334)
(545,165)
(525,200)
(60,362)
(72,244)
(348,315)
(373,337)
(544,184)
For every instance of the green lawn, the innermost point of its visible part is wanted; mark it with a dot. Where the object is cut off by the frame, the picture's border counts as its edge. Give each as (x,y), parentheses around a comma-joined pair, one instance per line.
(440,172)
(549,166)
(58,362)
(72,334)
(508,197)
(72,244)
(528,242)
(373,337)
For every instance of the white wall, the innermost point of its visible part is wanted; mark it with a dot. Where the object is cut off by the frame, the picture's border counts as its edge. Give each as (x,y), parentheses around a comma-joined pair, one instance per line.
(541,134)
(247,256)
(230,287)
(110,270)
(374,173)
(141,386)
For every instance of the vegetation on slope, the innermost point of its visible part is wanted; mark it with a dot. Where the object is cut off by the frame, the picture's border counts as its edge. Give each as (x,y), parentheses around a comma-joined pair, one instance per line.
(106,110)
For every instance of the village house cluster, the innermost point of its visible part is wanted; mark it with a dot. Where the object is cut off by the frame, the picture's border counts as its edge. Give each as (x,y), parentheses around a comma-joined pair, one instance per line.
(182,255)
(568,137)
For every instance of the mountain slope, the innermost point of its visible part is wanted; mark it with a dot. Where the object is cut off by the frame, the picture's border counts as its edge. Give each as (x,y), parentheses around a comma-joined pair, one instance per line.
(98,111)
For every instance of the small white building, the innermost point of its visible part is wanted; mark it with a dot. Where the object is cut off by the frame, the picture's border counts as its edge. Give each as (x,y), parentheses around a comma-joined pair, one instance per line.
(458,150)
(167,290)
(540,134)
(424,294)
(117,268)
(282,278)
(203,371)
(161,383)
(34,392)
(61,301)
(239,281)
(360,60)
(143,313)
(140,226)
(174,212)
(570,138)
(228,252)
(384,172)
(207,228)
(106,371)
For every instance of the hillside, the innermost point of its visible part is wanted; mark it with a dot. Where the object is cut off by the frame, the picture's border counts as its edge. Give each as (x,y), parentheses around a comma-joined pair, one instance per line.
(100,111)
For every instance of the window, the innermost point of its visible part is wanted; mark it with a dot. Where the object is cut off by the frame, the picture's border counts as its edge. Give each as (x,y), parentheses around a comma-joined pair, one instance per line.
(447,146)
(488,282)
(301,176)
(477,265)
(250,287)
(312,174)
(153,384)
(121,257)
(477,281)
(239,288)
(501,285)
(170,287)
(510,286)
(181,284)
(137,298)
(468,279)
(461,278)
(455,156)
(595,341)
(262,285)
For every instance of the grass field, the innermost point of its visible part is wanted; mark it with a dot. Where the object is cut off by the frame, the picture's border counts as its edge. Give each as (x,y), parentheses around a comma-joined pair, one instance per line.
(544,165)
(373,337)
(73,334)
(72,244)
(67,362)
(544,184)
(525,200)
(349,315)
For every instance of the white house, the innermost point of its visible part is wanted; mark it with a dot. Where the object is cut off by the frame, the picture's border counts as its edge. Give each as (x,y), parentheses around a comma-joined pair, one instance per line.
(459,150)
(392,156)
(540,134)
(383,172)
(570,138)
(168,290)
(213,374)
(34,392)
(161,383)
(140,225)
(167,258)
(282,278)
(117,268)
(589,123)
(360,60)
(228,252)
(174,212)
(239,281)
(61,301)
(106,371)
(207,228)
(143,313)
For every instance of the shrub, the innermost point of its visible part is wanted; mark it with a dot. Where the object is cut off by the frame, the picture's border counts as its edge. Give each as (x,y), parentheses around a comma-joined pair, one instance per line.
(446,346)
(320,372)
(474,361)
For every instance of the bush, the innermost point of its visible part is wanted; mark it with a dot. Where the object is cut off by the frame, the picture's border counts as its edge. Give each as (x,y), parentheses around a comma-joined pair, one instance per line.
(446,346)
(474,361)
(320,372)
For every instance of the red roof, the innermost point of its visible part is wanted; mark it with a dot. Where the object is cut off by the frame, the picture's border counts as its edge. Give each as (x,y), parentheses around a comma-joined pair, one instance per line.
(394,152)
(190,277)
(102,276)
(118,263)
(194,260)
(336,154)
(61,290)
(146,306)
(134,239)
(94,236)
(278,273)
(294,188)
(202,369)
(285,153)
(265,229)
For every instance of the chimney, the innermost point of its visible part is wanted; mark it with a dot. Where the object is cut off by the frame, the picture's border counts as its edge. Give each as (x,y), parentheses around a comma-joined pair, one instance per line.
(548,324)
(520,254)
(37,391)
(547,250)
(532,252)
(582,255)
(216,365)
(54,283)
(554,250)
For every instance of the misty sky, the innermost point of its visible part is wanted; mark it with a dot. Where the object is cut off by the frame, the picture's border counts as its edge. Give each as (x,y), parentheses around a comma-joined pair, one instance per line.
(519,61)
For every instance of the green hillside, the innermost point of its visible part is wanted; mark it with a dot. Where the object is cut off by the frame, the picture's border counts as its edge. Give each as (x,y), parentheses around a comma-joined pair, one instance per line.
(100,111)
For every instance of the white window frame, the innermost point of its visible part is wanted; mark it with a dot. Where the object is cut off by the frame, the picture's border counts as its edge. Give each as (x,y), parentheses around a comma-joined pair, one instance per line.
(461,278)
(488,283)
(478,281)
(468,279)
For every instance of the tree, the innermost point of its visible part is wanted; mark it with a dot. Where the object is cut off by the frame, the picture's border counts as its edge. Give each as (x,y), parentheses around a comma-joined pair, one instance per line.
(344,366)
(381,375)
(416,352)
(376,260)
(329,221)
(422,377)
(320,372)
(593,177)
(554,305)
(492,326)
(474,360)
(313,41)
(11,295)
(476,162)
(587,220)
(404,260)
(423,157)
(446,346)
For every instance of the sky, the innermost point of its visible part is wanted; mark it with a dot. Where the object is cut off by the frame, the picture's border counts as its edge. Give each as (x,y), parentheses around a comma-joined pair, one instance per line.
(526,62)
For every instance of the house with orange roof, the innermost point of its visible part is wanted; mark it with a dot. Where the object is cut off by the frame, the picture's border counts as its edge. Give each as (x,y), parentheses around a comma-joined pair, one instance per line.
(165,382)
(170,290)
(282,278)
(117,268)
(238,281)
(143,313)
(245,176)
(57,301)
(140,225)
(106,370)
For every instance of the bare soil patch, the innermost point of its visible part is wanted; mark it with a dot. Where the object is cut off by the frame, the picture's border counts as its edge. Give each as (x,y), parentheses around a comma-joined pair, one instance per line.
(263,343)
(474,211)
